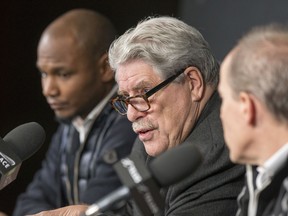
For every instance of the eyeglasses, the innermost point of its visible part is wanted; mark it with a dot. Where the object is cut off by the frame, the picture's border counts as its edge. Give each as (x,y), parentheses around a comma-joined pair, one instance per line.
(140,102)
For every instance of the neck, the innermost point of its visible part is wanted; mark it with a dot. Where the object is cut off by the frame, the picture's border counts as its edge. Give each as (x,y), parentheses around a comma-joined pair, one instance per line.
(209,90)
(269,139)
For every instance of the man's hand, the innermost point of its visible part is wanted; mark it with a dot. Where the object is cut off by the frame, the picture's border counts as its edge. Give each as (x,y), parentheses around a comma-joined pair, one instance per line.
(73,210)
(3,214)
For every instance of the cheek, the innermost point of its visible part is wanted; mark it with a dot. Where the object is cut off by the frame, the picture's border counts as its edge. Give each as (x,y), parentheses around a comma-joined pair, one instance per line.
(79,94)
(227,115)
(223,111)
(228,120)
(171,121)
(170,114)
(237,151)
(72,92)
(86,86)
(232,126)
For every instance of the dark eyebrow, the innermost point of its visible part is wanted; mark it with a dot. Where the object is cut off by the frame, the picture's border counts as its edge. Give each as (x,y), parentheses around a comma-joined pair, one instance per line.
(56,70)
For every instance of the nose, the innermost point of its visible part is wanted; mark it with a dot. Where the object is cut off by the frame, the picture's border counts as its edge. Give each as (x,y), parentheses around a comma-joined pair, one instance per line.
(49,87)
(133,114)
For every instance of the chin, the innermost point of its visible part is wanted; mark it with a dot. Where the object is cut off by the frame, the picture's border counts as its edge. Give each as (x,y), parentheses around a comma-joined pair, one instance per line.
(151,150)
(64,119)
(235,159)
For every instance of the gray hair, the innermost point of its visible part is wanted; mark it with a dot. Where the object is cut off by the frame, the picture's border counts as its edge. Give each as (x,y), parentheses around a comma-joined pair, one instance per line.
(167,45)
(260,66)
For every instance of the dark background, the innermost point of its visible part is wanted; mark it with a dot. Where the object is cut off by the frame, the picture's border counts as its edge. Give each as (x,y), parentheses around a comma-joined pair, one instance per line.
(222,22)
(22,23)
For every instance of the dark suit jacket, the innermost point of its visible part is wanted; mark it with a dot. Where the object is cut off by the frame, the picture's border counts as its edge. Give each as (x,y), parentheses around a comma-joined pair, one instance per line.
(213,189)
(273,200)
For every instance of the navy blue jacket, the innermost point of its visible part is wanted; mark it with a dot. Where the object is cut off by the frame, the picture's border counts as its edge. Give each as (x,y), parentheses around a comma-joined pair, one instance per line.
(64,176)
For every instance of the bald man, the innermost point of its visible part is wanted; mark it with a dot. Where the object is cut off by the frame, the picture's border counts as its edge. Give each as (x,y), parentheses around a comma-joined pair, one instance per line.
(254,113)
(78,84)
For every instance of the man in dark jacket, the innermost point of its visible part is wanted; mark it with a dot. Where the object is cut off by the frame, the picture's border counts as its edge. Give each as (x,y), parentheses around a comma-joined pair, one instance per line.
(254,112)
(167,80)
(78,85)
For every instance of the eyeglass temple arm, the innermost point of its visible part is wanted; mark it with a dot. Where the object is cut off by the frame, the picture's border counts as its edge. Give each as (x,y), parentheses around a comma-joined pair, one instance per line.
(162,84)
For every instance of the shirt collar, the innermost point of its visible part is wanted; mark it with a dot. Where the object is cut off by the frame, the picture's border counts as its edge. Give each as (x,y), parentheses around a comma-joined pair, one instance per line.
(97,110)
(83,125)
(271,166)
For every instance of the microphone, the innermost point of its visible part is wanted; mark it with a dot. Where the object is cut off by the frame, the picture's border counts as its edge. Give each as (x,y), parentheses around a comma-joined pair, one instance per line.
(143,183)
(18,145)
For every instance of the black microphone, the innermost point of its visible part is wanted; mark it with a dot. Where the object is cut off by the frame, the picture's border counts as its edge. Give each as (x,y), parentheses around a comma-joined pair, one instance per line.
(17,146)
(142,183)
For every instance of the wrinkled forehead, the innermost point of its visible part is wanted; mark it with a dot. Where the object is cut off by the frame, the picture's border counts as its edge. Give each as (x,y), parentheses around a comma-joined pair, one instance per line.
(135,74)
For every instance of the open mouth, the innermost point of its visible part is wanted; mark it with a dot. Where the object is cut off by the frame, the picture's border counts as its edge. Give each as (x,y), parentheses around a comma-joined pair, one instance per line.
(145,135)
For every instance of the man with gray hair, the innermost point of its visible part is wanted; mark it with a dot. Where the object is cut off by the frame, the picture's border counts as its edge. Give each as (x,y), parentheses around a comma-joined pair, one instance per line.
(254,112)
(167,79)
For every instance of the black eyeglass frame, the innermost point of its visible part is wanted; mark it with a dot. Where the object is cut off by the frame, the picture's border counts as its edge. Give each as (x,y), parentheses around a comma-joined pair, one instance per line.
(146,95)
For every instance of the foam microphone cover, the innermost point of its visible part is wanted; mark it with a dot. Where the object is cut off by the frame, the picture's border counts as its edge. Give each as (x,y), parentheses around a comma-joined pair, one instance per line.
(25,139)
(175,164)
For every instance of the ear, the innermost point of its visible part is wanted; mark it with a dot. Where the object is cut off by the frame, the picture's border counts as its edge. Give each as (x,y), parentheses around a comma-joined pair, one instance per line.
(248,108)
(105,71)
(196,83)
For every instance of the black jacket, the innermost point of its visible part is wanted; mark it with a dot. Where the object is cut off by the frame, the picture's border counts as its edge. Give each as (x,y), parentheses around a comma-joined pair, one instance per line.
(273,200)
(213,188)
